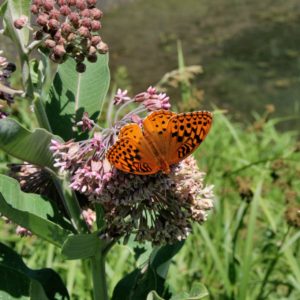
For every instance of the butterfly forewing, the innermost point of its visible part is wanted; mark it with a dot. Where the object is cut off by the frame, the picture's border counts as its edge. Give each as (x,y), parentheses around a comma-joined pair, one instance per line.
(155,130)
(186,132)
(131,154)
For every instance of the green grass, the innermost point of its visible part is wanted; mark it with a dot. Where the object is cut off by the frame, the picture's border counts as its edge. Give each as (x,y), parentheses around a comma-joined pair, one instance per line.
(246,250)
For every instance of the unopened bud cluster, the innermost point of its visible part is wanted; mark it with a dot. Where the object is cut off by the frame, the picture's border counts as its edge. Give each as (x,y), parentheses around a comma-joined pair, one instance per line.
(70,28)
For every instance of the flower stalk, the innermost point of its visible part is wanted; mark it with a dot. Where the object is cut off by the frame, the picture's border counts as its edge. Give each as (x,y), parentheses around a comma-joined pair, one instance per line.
(99,278)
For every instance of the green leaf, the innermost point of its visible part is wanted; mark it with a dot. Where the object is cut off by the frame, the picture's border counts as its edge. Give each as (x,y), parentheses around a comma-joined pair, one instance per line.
(141,282)
(74,93)
(153,296)
(32,211)
(12,11)
(29,146)
(81,246)
(198,291)
(17,281)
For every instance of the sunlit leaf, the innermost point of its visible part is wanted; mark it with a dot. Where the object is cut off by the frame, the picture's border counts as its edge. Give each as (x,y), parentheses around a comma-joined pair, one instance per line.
(32,211)
(74,93)
(28,146)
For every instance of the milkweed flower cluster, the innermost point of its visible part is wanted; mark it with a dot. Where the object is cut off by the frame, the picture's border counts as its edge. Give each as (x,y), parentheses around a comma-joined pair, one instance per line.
(68,28)
(151,99)
(159,208)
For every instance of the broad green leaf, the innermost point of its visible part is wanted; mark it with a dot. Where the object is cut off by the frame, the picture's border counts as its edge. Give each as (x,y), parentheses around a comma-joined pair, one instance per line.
(36,291)
(17,281)
(198,291)
(74,93)
(81,246)
(32,211)
(141,283)
(13,10)
(153,296)
(21,143)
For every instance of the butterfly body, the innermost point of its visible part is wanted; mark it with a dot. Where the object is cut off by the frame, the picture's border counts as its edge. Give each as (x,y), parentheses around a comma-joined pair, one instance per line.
(165,139)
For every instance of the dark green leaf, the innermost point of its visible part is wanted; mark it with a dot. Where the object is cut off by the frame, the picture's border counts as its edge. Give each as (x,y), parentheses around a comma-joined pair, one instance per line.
(32,212)
(29,146)
(81,246)
(141,283)
(17,281)
(74,93)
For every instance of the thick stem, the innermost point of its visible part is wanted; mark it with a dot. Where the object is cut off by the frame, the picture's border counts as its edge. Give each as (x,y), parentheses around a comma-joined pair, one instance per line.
(99,278)
(40,113)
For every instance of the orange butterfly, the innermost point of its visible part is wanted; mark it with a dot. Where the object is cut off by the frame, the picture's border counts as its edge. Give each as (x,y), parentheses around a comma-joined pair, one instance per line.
(166,139)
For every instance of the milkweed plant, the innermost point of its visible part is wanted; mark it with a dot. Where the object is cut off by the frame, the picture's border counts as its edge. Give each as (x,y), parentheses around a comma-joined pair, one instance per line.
(61,186)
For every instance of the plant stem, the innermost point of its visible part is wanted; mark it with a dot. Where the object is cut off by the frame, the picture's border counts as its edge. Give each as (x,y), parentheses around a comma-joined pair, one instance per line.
(71,204)
(40,113)
(99,278)
(271,266)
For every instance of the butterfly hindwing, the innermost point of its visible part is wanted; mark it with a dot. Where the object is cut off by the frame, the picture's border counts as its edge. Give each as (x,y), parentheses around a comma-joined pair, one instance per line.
(186,132)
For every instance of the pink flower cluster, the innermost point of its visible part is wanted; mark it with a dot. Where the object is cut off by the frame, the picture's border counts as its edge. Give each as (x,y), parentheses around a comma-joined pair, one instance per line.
(151,99)
(85,162)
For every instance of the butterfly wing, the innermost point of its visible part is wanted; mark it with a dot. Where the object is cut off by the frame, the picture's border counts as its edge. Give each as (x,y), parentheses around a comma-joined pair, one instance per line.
(186,132)
(131,153)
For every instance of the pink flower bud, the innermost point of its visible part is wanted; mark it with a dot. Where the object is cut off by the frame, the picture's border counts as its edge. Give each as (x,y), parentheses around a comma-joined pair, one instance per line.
(54,14)
(59,50)
(72,2)
(65,10)
(86,22)
(50,43)
(95,40)
(37,2)
(102,47)
(66,28)
(34,9)
(91,2)
(62,2)
(96,13)
(48,4)
(84,31)
(95,25)
(42,19)
(74,18)
(21,22)
(85,13)
(57,36)
(80,4)
(53,24)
